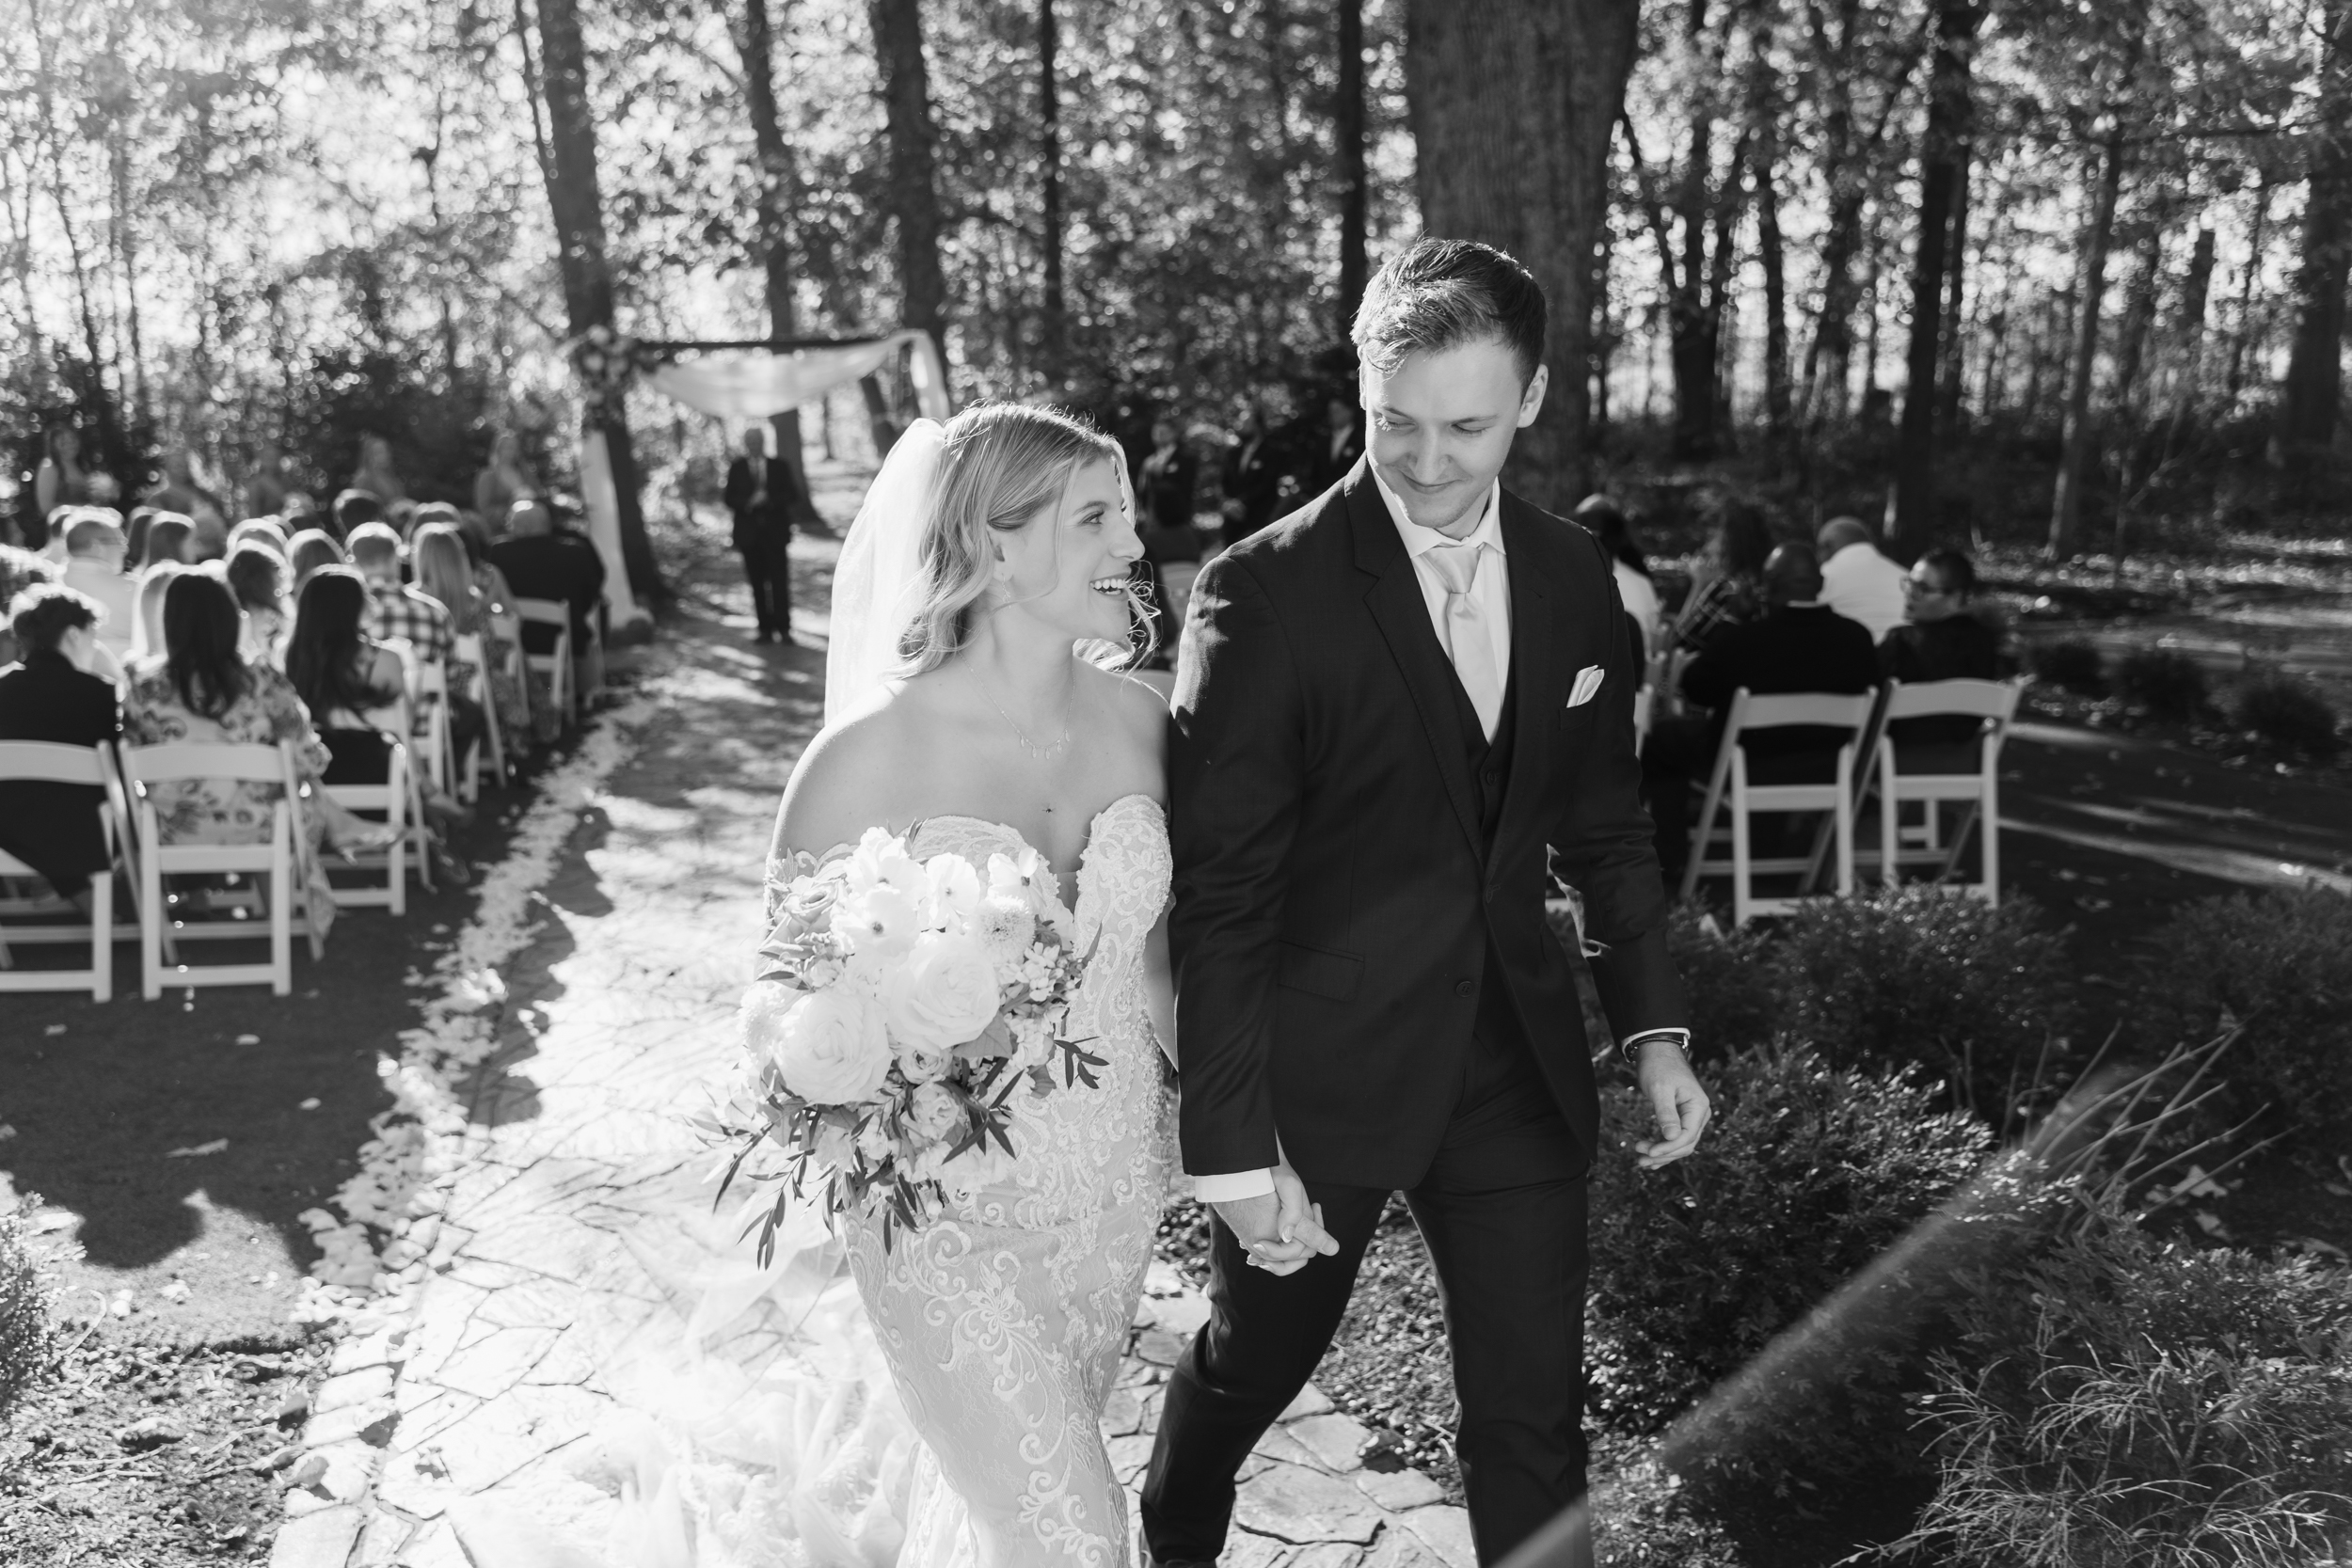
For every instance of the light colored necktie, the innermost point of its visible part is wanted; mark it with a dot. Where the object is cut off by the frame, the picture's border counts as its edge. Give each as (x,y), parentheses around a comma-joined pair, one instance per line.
(1468,638)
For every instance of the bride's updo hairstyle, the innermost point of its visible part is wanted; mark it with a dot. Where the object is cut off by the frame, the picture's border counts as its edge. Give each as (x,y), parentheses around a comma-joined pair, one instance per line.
(1002,463)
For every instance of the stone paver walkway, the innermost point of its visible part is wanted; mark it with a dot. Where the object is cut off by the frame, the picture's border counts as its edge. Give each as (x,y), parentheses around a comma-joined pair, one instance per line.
(560,1306)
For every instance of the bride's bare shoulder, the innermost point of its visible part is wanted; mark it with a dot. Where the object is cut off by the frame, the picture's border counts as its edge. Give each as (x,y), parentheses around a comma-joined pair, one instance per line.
(850,777)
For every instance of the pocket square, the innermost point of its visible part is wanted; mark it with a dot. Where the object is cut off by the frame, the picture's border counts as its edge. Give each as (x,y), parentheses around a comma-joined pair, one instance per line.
(1587,683)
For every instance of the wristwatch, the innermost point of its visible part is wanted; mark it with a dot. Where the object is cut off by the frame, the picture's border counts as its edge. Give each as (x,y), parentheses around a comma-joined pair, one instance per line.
(1631,1049)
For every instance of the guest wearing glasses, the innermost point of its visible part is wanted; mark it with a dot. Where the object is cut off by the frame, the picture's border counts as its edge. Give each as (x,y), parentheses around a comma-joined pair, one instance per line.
(1942,639)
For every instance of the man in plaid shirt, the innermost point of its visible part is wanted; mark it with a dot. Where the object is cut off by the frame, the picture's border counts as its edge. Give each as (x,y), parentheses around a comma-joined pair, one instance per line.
(400,610)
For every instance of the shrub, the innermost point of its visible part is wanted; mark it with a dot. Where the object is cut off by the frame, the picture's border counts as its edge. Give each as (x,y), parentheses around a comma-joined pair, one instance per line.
(2288,715)
(28,1297)
(1809,1171)
(1641,1519)
(2070,665)
(2120,1403)
(1973,993)
(2280,964)
(2162,683)
(1727,978)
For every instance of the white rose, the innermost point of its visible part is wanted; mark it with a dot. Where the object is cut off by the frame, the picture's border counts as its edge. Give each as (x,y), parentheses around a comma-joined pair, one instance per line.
(933,1114)
(1036,1036)
(922,1064)
(832,1047)
(945,993)
(879,922)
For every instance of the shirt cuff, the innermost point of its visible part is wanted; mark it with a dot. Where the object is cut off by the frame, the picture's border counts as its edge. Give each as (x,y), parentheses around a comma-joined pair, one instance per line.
(1233,1186)
(1631,1049)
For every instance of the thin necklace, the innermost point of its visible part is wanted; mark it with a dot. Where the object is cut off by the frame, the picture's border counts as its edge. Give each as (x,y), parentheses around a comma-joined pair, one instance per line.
(1042,753)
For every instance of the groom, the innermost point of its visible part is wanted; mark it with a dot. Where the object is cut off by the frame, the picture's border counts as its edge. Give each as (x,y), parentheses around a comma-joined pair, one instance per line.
(1395,711)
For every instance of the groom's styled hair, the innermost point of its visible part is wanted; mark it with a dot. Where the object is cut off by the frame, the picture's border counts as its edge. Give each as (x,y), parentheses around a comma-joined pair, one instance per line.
(1442,293)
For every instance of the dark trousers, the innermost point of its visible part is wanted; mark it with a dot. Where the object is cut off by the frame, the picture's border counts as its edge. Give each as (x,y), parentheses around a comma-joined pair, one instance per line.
(768,566)
(1501,1209)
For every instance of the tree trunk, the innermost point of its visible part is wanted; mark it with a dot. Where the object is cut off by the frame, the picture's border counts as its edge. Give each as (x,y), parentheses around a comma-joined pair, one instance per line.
(1951,376)
(2076,442)
(1764,170)
(1053,336)
(2244,338)
(776,180)
(1942,162)
(914,187)
(576,199)
(2139,319)
(1354,187)
(1511,103)
(2195,290)
(2314,385)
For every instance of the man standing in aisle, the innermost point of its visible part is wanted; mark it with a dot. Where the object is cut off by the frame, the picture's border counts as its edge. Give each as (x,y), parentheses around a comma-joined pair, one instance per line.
(758,493)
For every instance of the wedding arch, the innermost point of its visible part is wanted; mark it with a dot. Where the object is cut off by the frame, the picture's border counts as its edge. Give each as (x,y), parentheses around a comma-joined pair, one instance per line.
(731,379)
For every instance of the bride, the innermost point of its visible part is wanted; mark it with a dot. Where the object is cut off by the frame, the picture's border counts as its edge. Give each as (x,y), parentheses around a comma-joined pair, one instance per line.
(960,710)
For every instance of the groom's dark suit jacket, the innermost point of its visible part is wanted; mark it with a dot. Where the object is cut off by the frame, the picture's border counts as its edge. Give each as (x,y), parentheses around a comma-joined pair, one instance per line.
(1354,863)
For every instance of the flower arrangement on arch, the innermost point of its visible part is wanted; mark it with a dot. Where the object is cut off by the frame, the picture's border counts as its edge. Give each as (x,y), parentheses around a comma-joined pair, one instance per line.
(897,1008)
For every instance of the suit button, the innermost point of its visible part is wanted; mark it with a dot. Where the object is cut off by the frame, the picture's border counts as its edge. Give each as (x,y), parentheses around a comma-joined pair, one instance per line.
(1464,989)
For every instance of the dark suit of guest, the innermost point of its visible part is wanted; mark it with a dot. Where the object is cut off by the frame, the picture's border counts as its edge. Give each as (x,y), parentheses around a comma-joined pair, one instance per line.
(1795,647)
(559,565)
(54,828)
(1362,959)
(1959,647)
(758,493)
(1254,471)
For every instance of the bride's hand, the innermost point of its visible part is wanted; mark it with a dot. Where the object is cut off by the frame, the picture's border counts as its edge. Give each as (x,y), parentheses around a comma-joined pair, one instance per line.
(1298,1219)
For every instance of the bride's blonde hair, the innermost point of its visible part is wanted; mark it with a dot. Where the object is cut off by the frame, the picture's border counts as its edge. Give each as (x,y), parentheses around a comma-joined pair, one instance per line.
(1001,463)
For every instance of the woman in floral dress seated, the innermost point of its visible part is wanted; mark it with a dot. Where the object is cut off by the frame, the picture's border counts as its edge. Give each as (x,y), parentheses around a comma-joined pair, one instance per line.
(203,691)
(445,571)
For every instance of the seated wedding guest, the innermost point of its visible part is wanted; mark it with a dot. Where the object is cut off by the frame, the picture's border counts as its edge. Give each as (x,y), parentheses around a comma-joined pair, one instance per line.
(1727,587)
(353,509)
(543,560)
(1799,644)
(429,513)
(308,550)
(507,479)
(1615,533)
(1857,581)
(1944,640)
(267,531)
(444,571)
(18,570)
(346,679)
(177,492)
(147,638)
(94,550)
(170,542)
(201,690)
(55,695)
(257,575)
(266,491)
(400,610)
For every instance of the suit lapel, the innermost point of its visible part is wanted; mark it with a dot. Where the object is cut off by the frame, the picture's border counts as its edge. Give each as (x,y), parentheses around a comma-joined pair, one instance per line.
(1403,616)
(1535,662)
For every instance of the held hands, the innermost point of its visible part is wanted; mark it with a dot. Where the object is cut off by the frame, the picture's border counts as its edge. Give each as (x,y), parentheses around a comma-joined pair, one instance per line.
(1678,1101)
(1279,1231)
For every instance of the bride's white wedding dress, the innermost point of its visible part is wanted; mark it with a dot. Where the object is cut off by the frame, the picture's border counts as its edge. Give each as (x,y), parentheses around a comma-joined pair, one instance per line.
(1002,1321)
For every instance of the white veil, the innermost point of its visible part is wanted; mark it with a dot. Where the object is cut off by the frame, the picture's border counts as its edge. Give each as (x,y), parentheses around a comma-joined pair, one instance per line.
(877,581)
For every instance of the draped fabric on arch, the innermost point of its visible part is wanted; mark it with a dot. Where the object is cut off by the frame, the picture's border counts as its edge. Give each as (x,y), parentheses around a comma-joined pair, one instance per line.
(747,383)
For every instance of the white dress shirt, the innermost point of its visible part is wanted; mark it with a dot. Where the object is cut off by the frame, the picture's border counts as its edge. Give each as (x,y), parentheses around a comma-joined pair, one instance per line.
(1863,585)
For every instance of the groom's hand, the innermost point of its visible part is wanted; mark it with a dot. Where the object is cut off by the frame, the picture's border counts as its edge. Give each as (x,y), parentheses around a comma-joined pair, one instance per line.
(1675,1096)
(1279,1230)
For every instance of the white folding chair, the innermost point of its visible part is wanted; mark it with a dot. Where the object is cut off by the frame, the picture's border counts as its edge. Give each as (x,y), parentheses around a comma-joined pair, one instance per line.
(487,754)
(555,665)
(1729,785)
(435,762)
(390,800)
(1969,773)
(39,761)
(145,766)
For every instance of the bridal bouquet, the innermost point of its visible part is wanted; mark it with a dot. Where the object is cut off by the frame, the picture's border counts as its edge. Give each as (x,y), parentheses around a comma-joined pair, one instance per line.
(899,1006)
